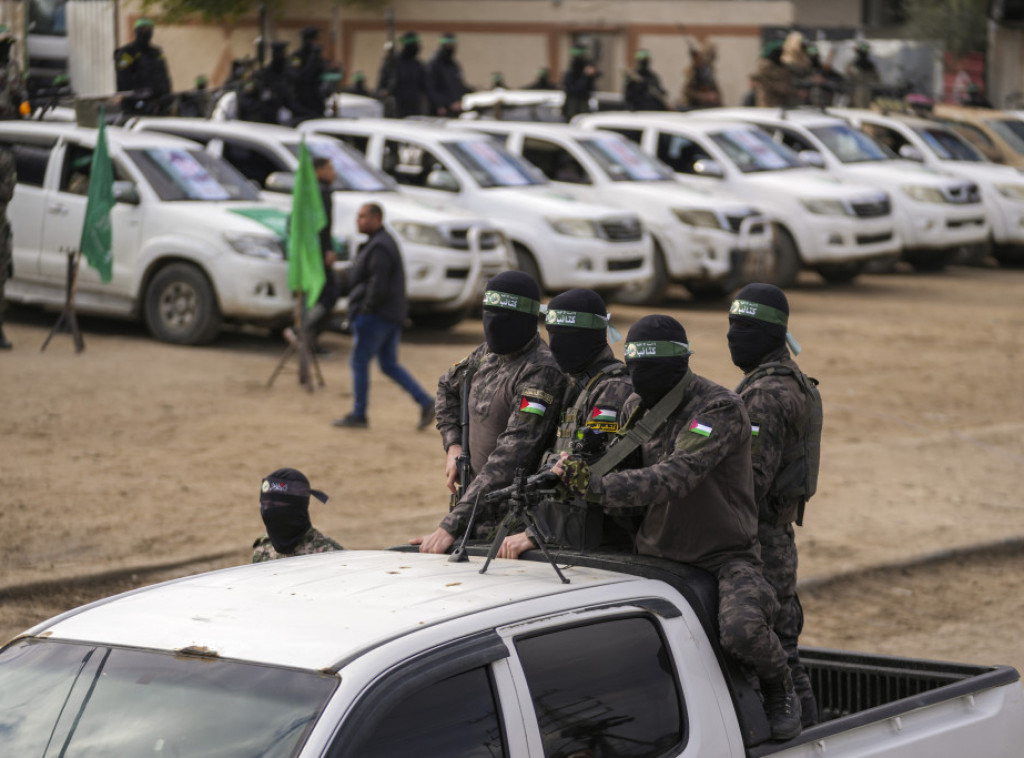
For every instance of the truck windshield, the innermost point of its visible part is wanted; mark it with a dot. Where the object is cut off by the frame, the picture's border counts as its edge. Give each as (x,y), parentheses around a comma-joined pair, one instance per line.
(850,145)
(354,173)
(949,146)
(753,151)
(1011,130)
(177,173)
(67,699)
(623,161)
(491,165)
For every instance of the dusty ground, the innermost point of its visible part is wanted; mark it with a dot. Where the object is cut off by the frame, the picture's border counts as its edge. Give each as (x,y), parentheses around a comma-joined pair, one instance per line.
(136,455)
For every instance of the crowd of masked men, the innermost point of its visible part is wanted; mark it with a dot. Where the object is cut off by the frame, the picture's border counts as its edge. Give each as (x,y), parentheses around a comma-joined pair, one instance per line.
(558,444)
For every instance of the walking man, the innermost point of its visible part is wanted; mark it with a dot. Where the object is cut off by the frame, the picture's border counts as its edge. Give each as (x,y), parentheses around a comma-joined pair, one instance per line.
(377,311)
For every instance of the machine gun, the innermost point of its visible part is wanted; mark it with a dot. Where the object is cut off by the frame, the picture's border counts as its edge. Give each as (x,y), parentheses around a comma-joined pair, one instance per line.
(521,496)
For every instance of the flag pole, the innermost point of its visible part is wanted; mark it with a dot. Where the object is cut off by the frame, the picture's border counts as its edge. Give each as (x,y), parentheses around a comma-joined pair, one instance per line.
(68,320)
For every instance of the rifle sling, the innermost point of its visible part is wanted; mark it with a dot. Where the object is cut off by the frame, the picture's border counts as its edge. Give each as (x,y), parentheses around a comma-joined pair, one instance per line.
(645,427)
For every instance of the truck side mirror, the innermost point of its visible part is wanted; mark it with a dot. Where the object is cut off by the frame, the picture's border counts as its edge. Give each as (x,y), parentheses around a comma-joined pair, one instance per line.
(440,179)
(709,168)
(280,181)
(911,153)
(126,192)
(811,158)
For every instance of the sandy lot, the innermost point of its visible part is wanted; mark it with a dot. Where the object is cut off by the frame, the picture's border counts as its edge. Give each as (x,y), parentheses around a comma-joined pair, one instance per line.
(135,454)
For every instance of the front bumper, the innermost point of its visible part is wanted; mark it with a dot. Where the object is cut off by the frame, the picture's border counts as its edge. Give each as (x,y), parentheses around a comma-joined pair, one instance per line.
(934,226)
(595,263)
(844,239)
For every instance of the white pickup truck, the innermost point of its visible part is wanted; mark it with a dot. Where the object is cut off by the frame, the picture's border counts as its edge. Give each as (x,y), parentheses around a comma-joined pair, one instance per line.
(709,243)
(193,243)
(825,223)
(448,254)
(561,242)
(374,654)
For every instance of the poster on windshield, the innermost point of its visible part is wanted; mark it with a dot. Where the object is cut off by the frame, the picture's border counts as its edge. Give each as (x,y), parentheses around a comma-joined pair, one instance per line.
(188,174)
(636,165)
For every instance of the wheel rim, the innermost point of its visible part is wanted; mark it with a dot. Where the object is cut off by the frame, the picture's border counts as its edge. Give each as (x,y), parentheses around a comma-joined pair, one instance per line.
(178,306)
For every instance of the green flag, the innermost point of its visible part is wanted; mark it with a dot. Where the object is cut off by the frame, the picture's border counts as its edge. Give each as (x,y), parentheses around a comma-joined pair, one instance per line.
(96,233)
(305,259)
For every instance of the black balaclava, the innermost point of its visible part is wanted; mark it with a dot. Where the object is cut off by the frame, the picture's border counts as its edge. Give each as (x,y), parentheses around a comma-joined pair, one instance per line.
(277,56)
(577,323)
(410,45)
(658,357)
(757,324)
(511,308)
(284,506)
(5,51)
(143,34)
(448,46)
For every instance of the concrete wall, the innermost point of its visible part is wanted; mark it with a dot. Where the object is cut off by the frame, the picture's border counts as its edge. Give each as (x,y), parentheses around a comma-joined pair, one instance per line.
(1006,67)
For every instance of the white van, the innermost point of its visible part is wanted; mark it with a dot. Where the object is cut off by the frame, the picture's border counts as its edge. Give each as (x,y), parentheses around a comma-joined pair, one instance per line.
(561,242)
(936,213)
(448,254)
(193,243)
(709,243)
(823,222)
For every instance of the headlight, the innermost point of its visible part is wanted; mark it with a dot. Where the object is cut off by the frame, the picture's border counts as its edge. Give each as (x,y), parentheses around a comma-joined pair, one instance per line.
(1011,191)
(573,227)
(825,207)
(698,218)
(421,234)
(923,194)
(256,245)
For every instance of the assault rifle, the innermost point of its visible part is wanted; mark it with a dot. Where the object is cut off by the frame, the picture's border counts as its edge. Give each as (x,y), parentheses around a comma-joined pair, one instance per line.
(463,471)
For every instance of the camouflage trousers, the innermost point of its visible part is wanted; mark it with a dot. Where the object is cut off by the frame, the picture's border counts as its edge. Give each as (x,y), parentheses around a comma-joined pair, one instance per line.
(5,258)
(746,612)
(778,551)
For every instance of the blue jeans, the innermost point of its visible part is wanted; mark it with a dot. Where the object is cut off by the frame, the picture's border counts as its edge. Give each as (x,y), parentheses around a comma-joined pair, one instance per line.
(378,337)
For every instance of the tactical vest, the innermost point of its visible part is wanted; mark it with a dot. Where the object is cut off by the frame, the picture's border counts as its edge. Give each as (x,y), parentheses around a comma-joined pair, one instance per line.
(797,479)
(574,419)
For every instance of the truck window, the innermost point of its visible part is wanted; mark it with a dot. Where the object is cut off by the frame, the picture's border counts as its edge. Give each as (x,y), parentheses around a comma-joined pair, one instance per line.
(633,135)
(606,688)
(555,161)
(74,175)
(457,716)
(891,138)
(358,142)
(409,164)
(253,162)
(30,162)
(680,153)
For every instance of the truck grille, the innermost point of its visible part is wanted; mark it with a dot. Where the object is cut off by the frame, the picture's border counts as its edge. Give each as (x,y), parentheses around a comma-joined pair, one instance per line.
(735,222)
(964,194)
(872,209)
(626,265)
(622,229)
(965,222)
(490,239)
(873,239)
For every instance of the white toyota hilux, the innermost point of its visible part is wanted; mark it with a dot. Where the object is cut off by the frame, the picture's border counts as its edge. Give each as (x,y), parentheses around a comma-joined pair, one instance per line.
(193,243)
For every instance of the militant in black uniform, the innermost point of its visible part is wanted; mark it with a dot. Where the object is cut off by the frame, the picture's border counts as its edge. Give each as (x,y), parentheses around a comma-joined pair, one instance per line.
(445,86)
(578,83)
(514,388)
(597,385)
(642,89)
(307,71)
(695,482)
(142,74)
(785,417)
(403,80)
(267,97)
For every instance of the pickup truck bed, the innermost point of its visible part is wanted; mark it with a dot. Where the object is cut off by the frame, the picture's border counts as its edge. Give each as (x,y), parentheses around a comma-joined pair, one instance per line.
(853,690)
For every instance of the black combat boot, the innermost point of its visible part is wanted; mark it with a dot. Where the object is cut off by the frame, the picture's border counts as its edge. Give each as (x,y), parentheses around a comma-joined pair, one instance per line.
(782,705)
(5,344)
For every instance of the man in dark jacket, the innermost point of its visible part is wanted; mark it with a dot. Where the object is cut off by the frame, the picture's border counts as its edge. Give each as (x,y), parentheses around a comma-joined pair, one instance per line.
(377,311)
(142,74)
(403,80)
(445,86)
(578,83)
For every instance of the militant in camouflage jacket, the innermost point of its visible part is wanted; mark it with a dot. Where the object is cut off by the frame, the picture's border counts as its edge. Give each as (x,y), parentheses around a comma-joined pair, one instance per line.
(313,541)
(514,407)
(696,481)
(776,405)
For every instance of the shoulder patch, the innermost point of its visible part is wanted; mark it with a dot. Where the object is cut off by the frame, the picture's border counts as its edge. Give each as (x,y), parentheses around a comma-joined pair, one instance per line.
(536,393)
(704,430)
(603,419)
(534,407)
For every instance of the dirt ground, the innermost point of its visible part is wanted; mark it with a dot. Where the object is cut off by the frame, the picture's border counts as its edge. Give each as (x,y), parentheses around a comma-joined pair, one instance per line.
(137,461)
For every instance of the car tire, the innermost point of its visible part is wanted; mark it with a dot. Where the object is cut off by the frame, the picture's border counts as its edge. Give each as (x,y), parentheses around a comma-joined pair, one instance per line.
(1009,255)
(437,319)
(787,258)
(180,306)
(526,263)
(930,260)
(652,290)
(840,273)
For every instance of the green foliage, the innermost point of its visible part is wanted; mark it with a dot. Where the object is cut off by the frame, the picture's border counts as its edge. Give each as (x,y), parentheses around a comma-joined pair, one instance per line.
(959,24)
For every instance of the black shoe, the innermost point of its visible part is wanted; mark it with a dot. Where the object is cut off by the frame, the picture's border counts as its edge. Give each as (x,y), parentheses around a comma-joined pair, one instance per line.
(351,422)
(782,706)
(426,416)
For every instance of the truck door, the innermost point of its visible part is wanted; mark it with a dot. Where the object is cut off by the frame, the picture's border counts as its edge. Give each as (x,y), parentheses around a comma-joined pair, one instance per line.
(28,206)
(65,216)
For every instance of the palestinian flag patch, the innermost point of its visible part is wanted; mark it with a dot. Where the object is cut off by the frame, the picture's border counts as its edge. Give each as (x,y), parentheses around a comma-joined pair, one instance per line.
(603,419)
(755,429)
(535,407)
(698,428)
(603,414)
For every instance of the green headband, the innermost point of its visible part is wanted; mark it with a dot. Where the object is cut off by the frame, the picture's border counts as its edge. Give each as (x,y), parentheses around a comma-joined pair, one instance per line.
(143,22)
(448,39)
(510,302)
(575,319)
(758,311)
(657,349)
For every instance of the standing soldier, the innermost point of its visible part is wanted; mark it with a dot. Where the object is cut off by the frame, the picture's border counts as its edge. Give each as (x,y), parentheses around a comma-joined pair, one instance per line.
(307,69)
(643,90)
(142,74)
(405,80)
(578,83)
(701,88)
(12,106)
(578,323)
(773,81)
(543,80)
(785,421)
(445,86)
(863,77)
(696,485)
(273,88)
(512,386)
